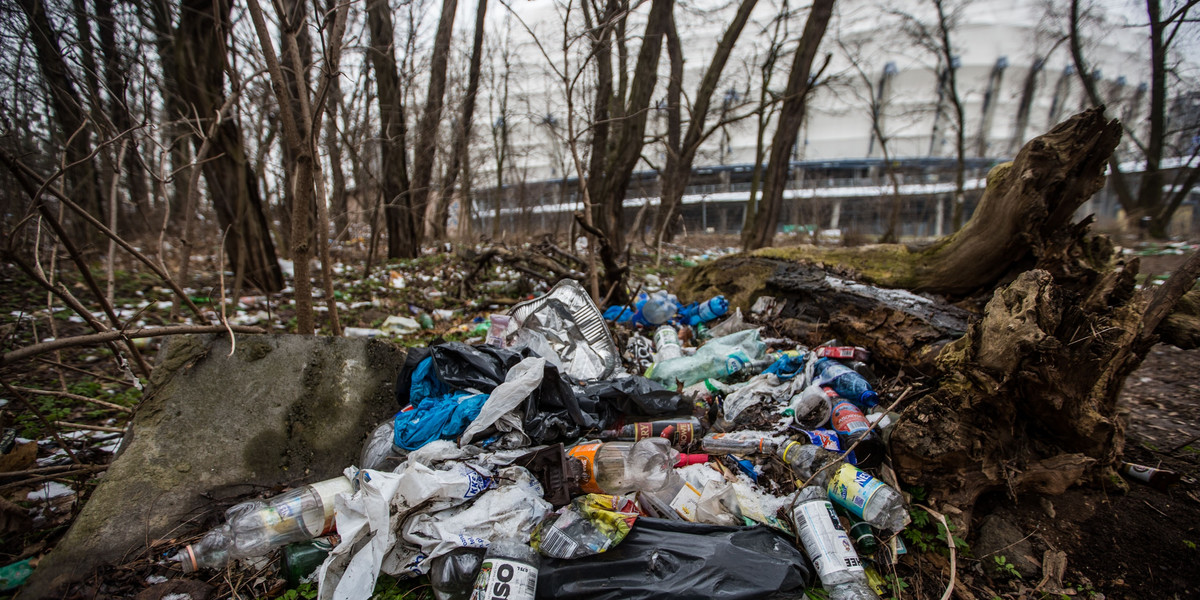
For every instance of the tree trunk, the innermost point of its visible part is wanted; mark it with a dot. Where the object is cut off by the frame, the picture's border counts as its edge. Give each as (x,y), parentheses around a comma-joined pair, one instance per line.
(394,184)
(760,231)
(117,80)
(70,113)
(610,180)
(200,56)
(333,145)
(427,129)
(1025,399)
(462,137)
(680,155)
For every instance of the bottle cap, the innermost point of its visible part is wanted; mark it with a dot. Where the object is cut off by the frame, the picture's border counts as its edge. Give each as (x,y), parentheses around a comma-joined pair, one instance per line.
(691,459)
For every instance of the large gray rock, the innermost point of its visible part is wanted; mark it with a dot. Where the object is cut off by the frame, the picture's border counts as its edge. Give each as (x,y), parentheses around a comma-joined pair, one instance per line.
(282,409)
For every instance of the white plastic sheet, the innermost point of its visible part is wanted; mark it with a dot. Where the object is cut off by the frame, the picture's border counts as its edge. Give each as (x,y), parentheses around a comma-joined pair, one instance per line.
(520,381)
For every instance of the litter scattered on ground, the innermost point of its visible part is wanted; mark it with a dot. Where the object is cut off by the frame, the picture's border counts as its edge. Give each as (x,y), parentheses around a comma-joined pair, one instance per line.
(703,445)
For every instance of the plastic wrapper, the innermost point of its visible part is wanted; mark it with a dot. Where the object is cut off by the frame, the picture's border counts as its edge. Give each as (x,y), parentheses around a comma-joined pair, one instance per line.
(380,453)
(590,525)
(566,321)
(669,559)
(515,505)
(764,388)
(735,323)
(519,383)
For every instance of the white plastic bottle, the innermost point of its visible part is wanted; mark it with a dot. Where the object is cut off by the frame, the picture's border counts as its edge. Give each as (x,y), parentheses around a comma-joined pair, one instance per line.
(828,546)
(509,571)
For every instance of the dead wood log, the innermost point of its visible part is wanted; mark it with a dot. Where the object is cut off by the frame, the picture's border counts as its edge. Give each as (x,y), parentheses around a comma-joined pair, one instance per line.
(1024,398)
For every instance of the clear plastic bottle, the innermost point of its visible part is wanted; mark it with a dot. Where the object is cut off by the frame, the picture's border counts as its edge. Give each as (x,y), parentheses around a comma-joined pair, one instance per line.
(452,575)
(255,528)
(717,359)
(739,442)
(867,498)
(509,571)
(845,381)
(658,308)
(624,467)
(666,344)
(807,459)
(828,546)
(811,407)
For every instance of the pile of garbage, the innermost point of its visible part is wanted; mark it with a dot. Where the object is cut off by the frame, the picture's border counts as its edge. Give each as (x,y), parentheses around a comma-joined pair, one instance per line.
(703,461)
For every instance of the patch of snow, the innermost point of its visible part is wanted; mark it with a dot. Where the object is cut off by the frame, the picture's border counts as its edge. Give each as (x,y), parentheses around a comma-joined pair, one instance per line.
(49,490)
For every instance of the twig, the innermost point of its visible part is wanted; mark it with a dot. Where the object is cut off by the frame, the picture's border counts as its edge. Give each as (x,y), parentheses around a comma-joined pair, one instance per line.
(82,470)
(39,471)
(97,338)
(89,427)
(221,277)
(1169,293)
(37,413)
(949,544)
(83,371)
(71,396)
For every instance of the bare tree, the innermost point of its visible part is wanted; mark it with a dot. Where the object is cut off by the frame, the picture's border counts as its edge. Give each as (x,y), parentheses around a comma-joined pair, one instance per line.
(760,228)
(200,47)
(682,152)
(462,134)
(393,131)
(427,130)
(301,130)
(618,130)
(1150,202)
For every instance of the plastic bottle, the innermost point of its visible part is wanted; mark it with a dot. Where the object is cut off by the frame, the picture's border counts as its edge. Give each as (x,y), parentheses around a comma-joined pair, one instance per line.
(255,528)
(681,431)
(845,381)
(509,572)
(807,459)
(452,575)
(623,467)
(703,312)
(666,344)
(867,498)
(828,546)
(812,407)
(738,442)
(718,358)
(850,421)
(658,308)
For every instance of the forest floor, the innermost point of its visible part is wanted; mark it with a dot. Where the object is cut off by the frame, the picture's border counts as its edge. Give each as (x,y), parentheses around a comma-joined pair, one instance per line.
(1121,540)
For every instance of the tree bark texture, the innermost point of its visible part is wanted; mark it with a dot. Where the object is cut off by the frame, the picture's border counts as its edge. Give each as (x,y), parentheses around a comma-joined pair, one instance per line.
(1020,395)
(427,130)
(70,113)
(760,232)
(200,55)
(681,154)
(462,137)
(609,179)
(394,183)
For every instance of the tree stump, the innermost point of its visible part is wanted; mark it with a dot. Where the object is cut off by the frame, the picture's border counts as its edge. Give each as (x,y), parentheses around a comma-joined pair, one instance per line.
(1023,398)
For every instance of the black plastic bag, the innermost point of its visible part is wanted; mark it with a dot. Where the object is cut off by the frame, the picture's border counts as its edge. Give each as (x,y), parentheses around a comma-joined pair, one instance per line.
(554,412)
(636,395)
(673,559)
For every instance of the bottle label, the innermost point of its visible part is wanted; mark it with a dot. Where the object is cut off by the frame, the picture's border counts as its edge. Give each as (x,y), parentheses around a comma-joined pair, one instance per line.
(505,579)
(665,336)
(586,453)
(682,434)
(826,439)
(736,362)
(824,539)
(848,418)
(853,489)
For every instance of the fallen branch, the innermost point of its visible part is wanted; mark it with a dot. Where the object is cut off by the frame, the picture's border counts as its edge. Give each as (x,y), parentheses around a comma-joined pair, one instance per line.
(108,336)
(83,470)
(71,396)
(89,427)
